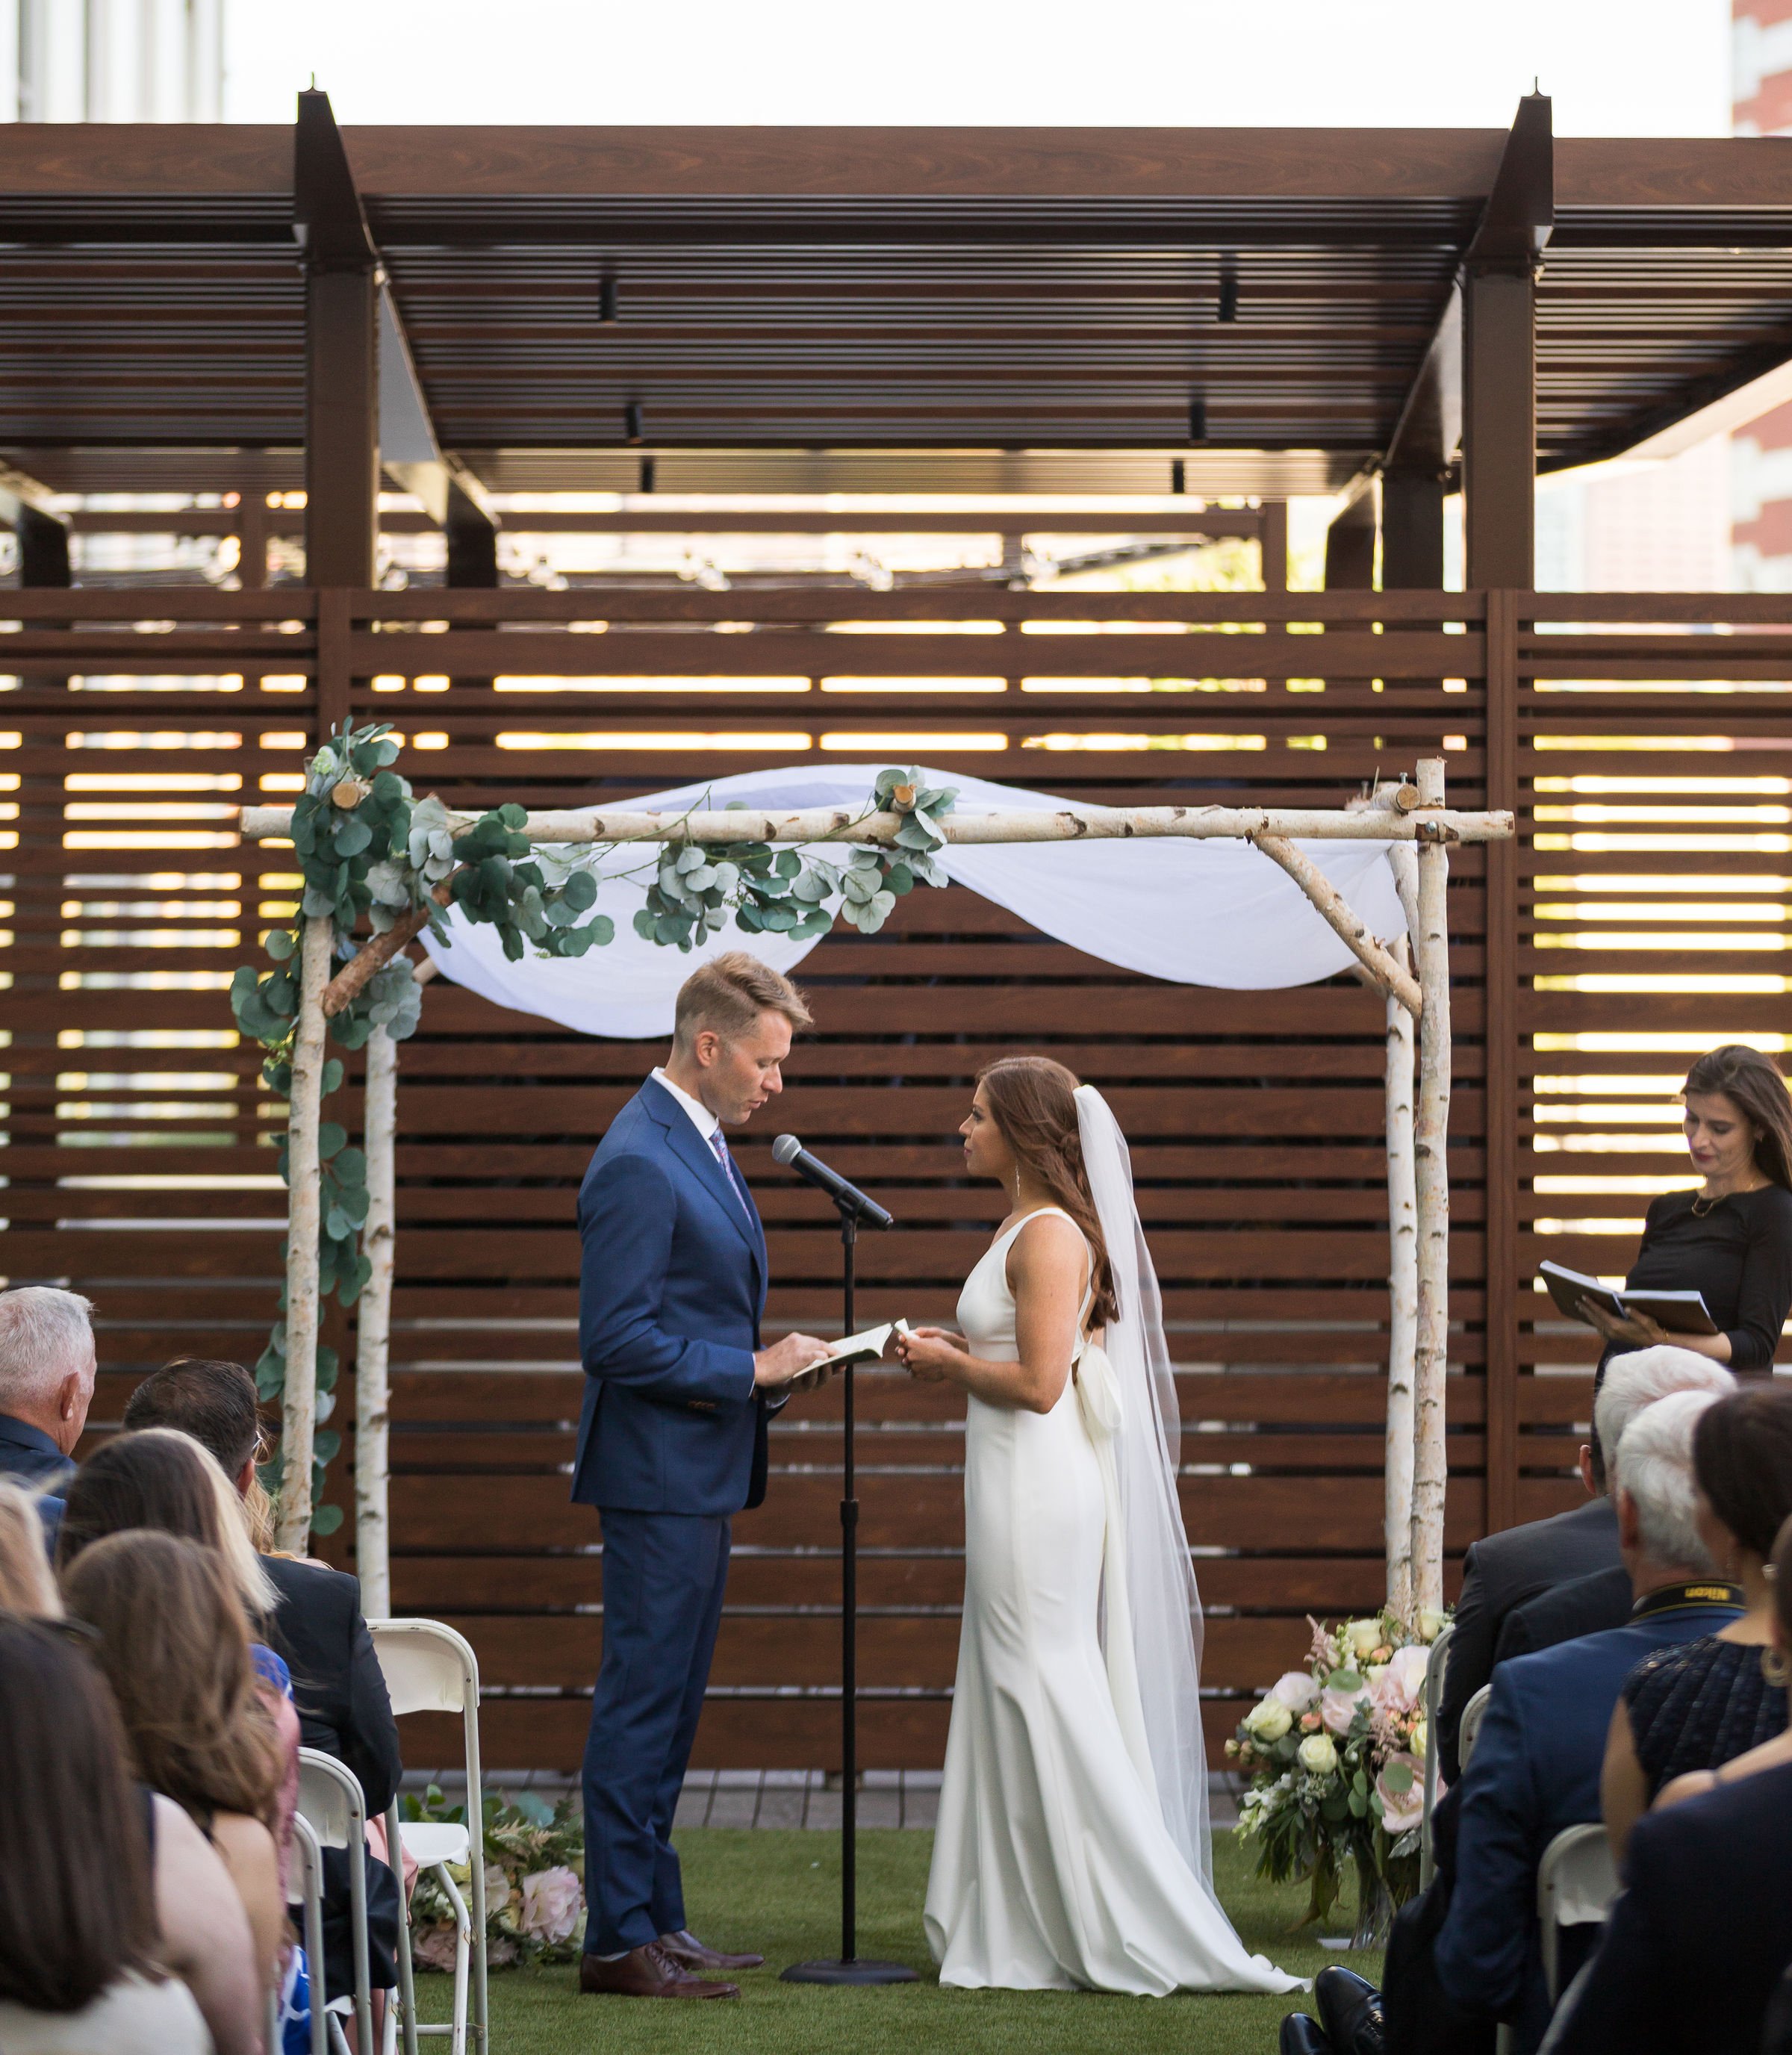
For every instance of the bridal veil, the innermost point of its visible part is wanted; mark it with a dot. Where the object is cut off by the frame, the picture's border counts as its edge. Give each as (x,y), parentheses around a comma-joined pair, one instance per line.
(1162,1605)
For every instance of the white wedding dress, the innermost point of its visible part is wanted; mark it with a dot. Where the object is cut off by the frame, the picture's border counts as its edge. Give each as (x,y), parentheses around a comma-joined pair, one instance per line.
(1054,1866)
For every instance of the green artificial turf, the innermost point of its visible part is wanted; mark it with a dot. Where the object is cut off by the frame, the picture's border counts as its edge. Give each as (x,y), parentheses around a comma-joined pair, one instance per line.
(780,1891)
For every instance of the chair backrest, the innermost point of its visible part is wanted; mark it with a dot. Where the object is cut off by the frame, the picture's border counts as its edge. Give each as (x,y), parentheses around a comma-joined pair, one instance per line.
(330,1800)
(1435,1663)
(1471,1714)
(428,1667)
(1576,1881)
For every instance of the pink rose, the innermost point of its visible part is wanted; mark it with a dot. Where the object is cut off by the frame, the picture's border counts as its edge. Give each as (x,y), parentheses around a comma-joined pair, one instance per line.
(1338,1707)
(552,1903)
(1398,1686)
(432,1947)
(1401,1808)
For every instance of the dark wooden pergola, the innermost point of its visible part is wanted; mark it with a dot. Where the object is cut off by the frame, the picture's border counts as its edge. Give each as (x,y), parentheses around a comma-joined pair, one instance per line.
(1230,315)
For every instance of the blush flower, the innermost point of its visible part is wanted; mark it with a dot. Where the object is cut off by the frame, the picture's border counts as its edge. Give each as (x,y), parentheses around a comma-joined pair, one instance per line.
(1337,1706)
(1400,1788)
(1397,1686)
(1295,1690)
(552,1903)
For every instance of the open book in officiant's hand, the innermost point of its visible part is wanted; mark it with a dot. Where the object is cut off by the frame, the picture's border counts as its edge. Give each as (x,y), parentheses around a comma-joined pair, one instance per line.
(1679,1312)
(866,1347)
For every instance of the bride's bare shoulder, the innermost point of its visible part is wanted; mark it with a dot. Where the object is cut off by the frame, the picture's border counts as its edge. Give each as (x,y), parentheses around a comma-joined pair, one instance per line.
(1045,1240)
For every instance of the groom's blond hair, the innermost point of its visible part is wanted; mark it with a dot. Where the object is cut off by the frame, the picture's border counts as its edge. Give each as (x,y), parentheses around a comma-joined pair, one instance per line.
(728,994)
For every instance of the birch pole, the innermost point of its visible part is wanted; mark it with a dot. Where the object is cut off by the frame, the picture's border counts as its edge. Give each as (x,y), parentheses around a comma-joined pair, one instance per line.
(1403,1305)
(298,1425)
(1432,1184)
(373,1331)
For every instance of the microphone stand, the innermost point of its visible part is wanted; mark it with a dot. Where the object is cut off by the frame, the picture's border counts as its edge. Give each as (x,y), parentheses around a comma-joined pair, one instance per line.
(848,1969)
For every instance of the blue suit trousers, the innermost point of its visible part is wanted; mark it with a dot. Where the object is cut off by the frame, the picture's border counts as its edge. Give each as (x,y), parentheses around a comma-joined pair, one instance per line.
(665,1575)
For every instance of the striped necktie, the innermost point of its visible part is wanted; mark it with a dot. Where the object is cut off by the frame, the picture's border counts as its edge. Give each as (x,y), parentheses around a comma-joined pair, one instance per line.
(719,1145)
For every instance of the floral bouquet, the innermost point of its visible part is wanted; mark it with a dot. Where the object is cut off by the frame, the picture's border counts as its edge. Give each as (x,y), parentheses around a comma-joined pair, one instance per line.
(534,1903)
(1336,1754)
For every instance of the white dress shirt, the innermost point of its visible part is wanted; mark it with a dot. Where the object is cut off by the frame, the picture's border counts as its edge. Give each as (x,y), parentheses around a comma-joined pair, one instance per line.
(705,1122)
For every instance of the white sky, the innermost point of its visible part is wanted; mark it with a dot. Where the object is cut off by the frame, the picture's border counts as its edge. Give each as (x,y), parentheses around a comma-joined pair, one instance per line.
(1614,67)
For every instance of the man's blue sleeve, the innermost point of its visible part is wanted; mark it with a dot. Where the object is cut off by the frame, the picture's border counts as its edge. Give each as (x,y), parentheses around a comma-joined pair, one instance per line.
(1482,1947)
(626,1216)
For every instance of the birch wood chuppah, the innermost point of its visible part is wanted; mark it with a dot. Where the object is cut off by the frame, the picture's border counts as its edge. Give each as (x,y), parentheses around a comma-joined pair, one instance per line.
(1411,819)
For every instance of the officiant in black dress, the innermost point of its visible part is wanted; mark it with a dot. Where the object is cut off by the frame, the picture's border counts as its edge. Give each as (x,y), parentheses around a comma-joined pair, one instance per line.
(1732,1239)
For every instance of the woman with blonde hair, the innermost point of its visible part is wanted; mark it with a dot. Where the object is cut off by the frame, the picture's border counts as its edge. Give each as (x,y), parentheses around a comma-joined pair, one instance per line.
(1072,1845)
(174,1645)
(26,1585)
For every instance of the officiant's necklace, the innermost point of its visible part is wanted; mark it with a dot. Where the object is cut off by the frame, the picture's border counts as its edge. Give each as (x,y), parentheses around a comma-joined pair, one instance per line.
(1706,1201)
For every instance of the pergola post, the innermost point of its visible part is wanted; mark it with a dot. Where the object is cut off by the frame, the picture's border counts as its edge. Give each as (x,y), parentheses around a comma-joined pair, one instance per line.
(1411,530)
(1499,492)
(1432,1187)
(1350,545)
(342,356)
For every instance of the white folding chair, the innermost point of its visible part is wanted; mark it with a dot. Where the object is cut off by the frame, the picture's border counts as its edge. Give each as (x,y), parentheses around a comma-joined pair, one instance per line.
(1433,1698)
(1471,1717)
(1576,1881)
(311,1896)
(331,1804)
(429,1668)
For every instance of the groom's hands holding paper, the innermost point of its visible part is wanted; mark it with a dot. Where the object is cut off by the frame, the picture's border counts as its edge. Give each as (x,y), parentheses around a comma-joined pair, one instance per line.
(776,1367)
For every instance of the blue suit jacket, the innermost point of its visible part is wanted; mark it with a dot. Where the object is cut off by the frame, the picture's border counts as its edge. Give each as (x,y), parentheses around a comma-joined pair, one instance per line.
(671,1287)
(1535,1771)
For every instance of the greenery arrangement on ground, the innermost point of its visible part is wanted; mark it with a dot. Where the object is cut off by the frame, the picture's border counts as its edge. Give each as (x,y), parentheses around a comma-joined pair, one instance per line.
(373,858)
(781,1892)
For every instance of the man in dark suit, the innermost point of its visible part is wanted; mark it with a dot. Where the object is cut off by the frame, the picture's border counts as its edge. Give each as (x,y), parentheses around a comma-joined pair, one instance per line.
(1537,1758)
(339,1691)
(47,1369)
(1505,1570)
(1584,1605)
(672,1444)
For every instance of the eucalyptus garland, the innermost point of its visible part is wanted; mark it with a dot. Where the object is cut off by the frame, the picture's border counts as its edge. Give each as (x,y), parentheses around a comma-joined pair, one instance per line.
(370,854)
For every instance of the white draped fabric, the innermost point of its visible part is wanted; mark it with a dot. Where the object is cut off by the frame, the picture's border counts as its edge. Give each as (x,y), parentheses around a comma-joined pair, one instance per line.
(1192,912)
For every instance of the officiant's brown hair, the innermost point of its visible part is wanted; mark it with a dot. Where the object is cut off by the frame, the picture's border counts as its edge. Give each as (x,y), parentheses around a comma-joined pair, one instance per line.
(1752,1085)
(1033,1103)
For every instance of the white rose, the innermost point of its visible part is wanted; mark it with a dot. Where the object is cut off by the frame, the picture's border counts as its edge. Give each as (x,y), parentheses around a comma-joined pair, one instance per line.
(1268,1721)
(1419,1739)
(1318,1755)
(1296,1690)
(1362,1637)
(1431,1624)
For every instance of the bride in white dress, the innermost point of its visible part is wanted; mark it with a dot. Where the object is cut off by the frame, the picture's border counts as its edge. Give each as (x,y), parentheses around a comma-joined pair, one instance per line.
(1071,1846)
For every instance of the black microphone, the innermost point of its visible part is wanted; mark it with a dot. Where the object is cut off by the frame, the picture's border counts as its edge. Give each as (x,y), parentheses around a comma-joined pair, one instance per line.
(788,1151)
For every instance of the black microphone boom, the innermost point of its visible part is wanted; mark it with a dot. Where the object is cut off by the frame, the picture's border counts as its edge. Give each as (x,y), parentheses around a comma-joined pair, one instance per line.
(788,1151)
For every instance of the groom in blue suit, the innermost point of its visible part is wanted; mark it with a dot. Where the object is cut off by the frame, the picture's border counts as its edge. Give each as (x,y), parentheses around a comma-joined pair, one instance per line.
(671,1446)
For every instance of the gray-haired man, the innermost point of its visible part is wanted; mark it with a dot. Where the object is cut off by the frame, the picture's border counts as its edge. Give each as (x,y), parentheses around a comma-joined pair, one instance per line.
(47,1367)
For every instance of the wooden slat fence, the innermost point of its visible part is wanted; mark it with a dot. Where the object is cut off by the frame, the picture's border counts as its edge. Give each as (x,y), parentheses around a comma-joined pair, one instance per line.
(141,1146)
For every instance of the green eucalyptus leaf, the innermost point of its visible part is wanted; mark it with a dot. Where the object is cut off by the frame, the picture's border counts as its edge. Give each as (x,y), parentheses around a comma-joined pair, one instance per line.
(325,1519)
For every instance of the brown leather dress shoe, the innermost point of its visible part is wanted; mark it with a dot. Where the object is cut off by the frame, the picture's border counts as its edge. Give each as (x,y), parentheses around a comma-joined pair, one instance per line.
(647,1972)
(684,1946)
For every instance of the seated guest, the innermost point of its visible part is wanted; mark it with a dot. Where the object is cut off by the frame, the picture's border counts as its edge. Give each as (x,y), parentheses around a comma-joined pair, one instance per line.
(1537,1758)
(1602,1598)
(1694,1706)
(174,1645)
(84,1956)
(1700,1939)
(167,1481)
(316,1623)
(1504,1571)
(47,1368)
(1535,1771)
(26,1585)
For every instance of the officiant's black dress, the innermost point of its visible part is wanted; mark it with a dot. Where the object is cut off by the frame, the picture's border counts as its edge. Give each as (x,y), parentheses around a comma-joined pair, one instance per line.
(1737,1251)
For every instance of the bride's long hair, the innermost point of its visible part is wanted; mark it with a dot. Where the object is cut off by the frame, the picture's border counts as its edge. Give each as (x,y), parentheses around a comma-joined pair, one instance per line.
(1033,1101)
